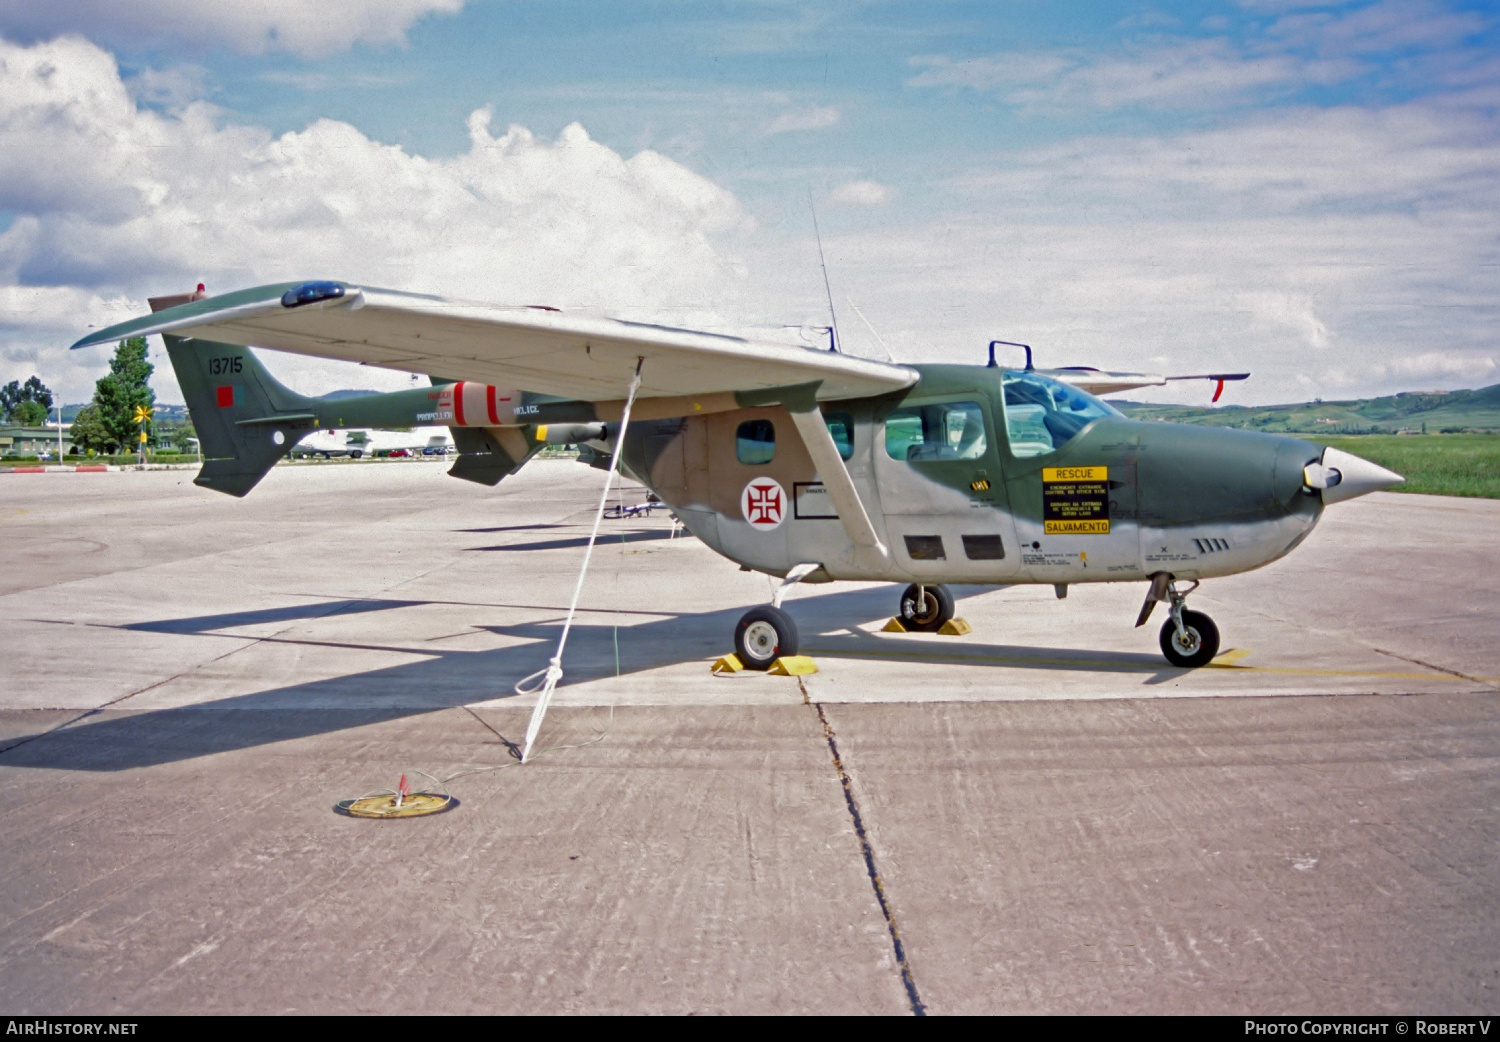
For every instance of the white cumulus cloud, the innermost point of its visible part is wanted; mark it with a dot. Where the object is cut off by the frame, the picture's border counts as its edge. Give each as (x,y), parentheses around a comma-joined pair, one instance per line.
(115,202)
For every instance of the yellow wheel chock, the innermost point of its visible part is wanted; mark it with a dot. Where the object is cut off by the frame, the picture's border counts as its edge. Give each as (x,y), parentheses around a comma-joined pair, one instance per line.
(793,666)
(951,628)
(728,664)
(786,666)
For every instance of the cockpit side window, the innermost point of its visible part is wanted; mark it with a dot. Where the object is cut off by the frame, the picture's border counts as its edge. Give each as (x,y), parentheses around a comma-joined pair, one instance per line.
(942,431)
(1043,415)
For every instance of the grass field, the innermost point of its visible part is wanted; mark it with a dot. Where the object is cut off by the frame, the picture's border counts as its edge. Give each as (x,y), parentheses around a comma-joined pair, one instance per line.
(1438,464)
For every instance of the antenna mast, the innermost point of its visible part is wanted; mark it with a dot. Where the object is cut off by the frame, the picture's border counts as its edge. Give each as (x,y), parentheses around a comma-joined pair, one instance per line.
(833,318)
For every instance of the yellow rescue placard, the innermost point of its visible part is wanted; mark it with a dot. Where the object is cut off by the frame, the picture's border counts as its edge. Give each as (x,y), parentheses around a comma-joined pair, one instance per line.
(1075,527)
(1075,500)
(1075,473)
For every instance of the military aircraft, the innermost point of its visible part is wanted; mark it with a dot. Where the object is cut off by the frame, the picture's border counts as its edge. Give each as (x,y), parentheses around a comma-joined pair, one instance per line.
(805,464)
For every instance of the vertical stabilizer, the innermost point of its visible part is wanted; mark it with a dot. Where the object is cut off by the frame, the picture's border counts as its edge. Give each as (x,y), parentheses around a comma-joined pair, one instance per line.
(246,420)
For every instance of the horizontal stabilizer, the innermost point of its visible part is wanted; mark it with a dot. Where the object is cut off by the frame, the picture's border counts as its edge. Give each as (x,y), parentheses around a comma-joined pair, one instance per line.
(487,456)
(1099,381)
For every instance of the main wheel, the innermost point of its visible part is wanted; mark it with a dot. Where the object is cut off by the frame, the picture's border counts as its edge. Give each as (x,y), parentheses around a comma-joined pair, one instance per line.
(1200,645)
(925,608)
(764,635)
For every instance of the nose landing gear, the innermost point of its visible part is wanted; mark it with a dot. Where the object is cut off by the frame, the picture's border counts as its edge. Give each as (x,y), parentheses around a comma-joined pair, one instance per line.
(1189,639)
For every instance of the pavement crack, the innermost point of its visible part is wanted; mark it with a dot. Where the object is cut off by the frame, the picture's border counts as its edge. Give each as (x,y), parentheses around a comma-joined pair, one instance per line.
(907,980)
(1433,666)
(1339,635)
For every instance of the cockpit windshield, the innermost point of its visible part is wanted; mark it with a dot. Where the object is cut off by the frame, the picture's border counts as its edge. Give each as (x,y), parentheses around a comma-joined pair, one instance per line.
(1042,415)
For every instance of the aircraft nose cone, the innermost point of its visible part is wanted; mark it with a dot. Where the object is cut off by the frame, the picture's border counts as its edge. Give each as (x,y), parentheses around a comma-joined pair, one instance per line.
(1342,475)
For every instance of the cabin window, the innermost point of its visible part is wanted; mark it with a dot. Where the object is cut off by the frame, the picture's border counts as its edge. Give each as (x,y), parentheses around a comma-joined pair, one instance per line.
(984,548)
(925,548)
(1043,415)
(755,442)
(942,431)
(841,426)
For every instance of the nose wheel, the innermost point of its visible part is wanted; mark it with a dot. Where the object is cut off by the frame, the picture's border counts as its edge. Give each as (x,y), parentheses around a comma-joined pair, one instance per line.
(924,608)
(1191,642)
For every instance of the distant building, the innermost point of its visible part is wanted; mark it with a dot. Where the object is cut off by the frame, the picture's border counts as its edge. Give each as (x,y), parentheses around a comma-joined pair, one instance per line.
(32,441)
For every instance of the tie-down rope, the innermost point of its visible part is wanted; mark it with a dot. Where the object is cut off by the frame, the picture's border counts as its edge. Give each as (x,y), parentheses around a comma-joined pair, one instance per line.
(553,673)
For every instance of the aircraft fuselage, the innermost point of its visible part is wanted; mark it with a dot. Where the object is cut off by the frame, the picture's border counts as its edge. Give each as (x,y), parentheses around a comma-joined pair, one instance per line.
(960,486)
(1118,500)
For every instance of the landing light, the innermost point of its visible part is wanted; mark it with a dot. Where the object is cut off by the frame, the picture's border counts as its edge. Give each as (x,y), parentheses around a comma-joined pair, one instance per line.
(311,293)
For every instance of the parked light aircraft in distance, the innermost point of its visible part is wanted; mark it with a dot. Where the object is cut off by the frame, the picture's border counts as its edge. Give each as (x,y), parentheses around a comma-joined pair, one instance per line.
(326,443)
(805,464)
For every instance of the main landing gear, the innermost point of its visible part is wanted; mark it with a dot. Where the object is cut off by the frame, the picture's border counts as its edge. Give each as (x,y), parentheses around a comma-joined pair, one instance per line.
(924,608)
(767,633)
(764,635)
(1189,639)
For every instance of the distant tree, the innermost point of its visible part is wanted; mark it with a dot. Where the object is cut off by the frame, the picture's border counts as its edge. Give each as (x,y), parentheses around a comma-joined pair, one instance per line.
(89,433)
(181,436)
(16,395)
(127,386)
(29,414)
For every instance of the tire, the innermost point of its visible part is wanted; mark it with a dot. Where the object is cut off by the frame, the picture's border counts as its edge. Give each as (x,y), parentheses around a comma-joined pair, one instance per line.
(1203,635)
(355,454)
(935,609)
(763,635)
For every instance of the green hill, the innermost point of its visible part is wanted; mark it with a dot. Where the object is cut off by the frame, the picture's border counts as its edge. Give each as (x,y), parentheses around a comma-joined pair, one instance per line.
(1432,412)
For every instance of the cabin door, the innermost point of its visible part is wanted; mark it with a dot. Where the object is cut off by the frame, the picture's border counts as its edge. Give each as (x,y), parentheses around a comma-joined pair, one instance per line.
(942,492)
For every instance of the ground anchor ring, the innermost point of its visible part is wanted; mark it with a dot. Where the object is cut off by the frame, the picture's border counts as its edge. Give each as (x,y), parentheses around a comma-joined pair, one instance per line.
(386,805)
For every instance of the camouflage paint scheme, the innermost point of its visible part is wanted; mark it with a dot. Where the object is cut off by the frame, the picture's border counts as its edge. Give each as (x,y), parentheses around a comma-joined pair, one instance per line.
(1196,502)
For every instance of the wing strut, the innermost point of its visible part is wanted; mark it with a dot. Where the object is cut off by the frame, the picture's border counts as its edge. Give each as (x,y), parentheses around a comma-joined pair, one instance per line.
(803,405)
(553,673)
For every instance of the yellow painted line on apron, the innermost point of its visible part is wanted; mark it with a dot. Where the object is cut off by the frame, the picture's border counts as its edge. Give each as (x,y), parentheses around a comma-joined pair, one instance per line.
(1230,657)
(1109,664)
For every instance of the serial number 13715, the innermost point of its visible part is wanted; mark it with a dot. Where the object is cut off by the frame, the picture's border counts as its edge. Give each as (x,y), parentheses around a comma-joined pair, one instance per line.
(225,366)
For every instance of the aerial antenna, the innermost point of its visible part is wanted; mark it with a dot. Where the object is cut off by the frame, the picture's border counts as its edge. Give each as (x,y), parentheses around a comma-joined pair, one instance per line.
(878,338)
(833,318)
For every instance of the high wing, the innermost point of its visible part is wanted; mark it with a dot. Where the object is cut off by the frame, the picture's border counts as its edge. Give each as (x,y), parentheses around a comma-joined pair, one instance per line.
(539,349)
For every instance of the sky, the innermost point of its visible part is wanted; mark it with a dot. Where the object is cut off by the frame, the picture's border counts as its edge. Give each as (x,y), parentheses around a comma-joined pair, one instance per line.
(1308,191)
